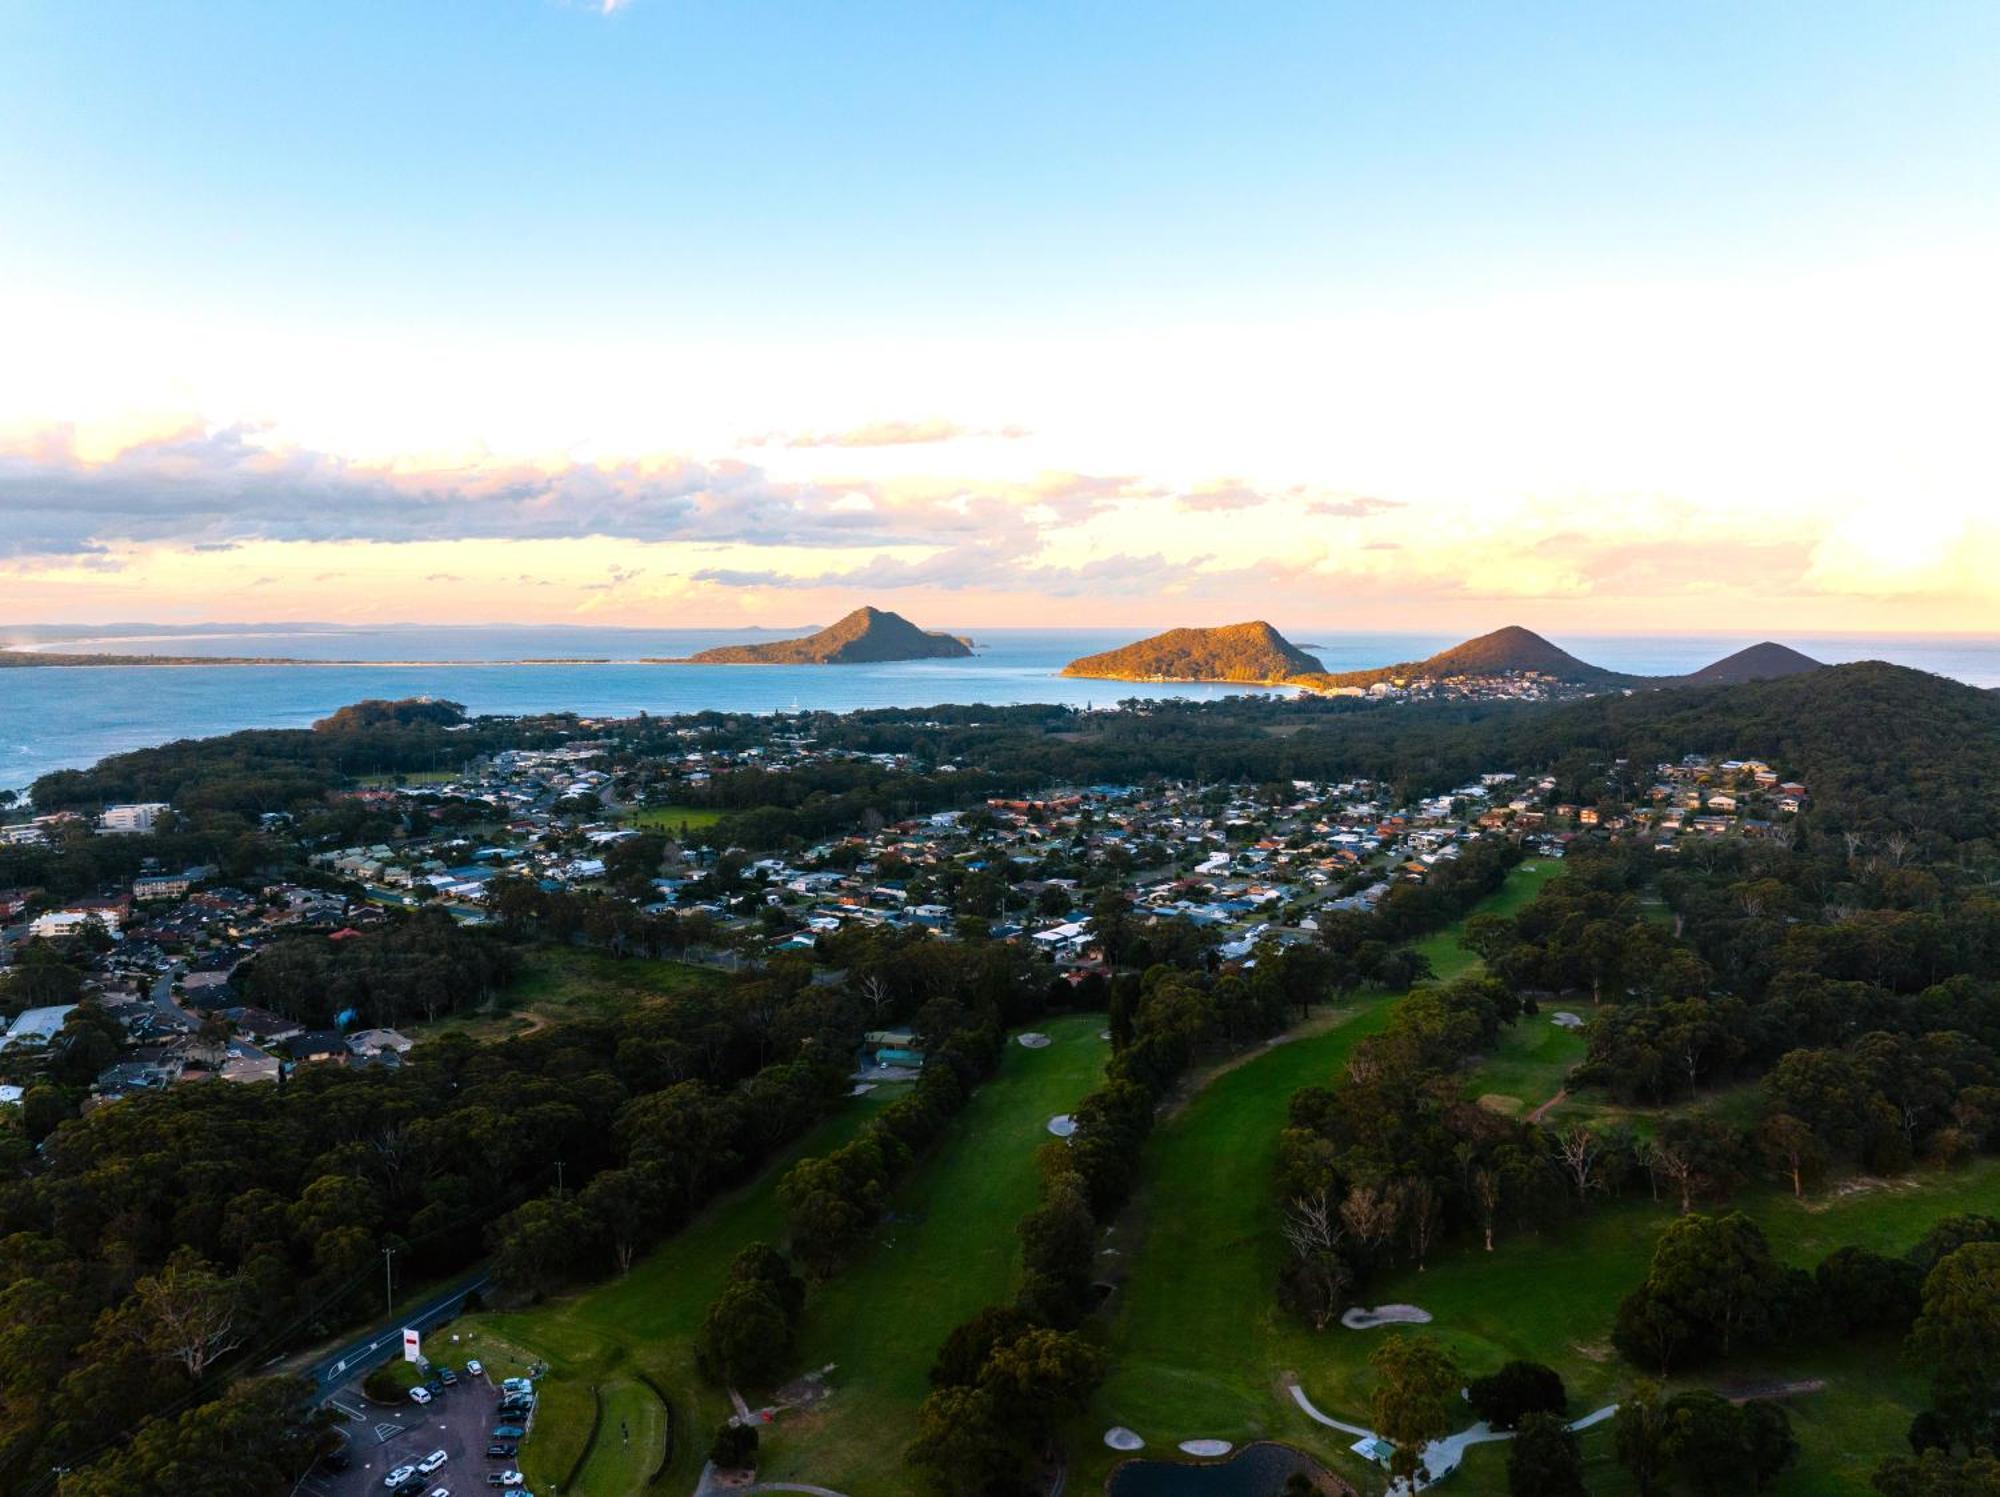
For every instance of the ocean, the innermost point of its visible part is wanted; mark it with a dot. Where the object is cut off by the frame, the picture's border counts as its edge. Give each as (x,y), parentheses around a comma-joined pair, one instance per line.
(67,717)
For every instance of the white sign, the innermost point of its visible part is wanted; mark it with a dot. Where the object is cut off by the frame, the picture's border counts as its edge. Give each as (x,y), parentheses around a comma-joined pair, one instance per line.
(413,1346)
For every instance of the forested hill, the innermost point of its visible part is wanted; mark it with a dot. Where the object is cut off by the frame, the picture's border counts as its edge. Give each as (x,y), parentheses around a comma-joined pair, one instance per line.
(1509,651)
(1760,662)
(866,635)
(1252,653)
(1884,744)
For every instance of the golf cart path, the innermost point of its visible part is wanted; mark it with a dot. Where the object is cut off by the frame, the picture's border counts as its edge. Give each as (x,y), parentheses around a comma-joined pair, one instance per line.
(1441,1457)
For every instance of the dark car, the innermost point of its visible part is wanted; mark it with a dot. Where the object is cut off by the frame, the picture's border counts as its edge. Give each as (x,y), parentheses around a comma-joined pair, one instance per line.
(336,1460)
(411,1485)
(447,1377)
(508,1432)
(436,1385)
(515,1408)
(502,1450)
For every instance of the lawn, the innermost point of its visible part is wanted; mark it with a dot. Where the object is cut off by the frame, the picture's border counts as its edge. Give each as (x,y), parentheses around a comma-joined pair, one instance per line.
(670,818)
(645,1322)
(1195,1338)
(948,1249)
(1198,1345)
(567,981)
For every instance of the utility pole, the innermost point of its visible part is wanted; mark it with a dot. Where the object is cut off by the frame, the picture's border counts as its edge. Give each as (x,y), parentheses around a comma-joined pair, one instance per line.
(559,1179)
(389,1280)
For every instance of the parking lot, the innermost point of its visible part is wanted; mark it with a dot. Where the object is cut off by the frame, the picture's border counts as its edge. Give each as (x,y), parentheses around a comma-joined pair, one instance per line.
(382,1437)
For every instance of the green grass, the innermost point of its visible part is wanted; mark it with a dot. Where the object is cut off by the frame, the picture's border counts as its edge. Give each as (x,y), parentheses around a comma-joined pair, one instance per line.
(1196,1341)
(1198,1345)
(1448,955)
(671,818)
(407,777)
(645,1321)
(566,981)
(949,1250)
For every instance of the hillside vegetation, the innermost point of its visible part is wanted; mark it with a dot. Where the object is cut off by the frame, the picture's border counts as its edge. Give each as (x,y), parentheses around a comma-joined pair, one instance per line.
(865,636)
(1252,653)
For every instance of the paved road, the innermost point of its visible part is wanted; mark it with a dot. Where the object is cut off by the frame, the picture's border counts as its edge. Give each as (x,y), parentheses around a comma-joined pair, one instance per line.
(330,1371)
(163,1000)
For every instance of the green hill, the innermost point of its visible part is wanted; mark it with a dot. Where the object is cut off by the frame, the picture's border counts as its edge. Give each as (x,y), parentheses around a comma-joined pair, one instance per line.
(1253,653)
(1509,651)
(865,636)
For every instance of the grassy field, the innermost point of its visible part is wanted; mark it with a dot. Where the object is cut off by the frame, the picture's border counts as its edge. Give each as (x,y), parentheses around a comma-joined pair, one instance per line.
(566,981)
(949,1249)
(670,818)
(1199,1348)
(407,777)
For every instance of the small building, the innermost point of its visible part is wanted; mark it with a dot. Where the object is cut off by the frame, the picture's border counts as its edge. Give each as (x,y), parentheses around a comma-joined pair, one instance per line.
(133,819)
(35,1027)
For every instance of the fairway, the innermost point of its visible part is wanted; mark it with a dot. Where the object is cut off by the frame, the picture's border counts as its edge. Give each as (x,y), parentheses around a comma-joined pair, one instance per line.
(1198,1344)
(949,1251)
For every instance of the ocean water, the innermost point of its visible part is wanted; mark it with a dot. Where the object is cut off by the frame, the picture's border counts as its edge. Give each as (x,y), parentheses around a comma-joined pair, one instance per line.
(63,717)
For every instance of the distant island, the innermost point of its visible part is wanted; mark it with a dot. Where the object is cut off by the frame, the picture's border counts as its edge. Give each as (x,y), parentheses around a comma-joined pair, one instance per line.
(866,636)
(1512,661)
(1252,654)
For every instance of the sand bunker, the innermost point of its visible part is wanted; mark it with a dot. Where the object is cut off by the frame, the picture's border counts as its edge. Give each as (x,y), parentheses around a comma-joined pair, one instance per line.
(1033,1041)
(1118,1437)
(1358,1319)
(1062,1125)
(1205,1447)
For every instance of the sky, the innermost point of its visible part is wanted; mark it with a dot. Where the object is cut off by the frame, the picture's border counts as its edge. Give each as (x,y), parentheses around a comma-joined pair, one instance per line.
(1594,316)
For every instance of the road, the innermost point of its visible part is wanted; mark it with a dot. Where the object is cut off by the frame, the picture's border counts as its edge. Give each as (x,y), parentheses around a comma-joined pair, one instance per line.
(163,1000)
(335,1368)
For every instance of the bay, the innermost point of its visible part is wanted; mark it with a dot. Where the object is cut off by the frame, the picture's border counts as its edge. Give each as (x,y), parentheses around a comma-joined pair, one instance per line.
(64,717)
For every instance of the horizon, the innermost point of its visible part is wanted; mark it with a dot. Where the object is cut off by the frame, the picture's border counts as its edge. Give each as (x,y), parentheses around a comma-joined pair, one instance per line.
(643,315)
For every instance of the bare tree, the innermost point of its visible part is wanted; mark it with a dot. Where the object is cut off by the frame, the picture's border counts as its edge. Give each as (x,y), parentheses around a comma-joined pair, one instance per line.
(1897,845)
(1679,1166)
(1423,1213)
(1486,1195)
(1370,1214)
(1580,1154)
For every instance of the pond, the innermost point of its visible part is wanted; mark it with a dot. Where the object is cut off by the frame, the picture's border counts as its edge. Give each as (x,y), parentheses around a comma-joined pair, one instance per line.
(1255,1471)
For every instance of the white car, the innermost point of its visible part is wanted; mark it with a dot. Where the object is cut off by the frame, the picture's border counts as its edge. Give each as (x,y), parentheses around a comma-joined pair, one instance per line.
(420,1395)
(473,1369)
(400,1475)
(440,1492)
(510,1478)
(432,1461)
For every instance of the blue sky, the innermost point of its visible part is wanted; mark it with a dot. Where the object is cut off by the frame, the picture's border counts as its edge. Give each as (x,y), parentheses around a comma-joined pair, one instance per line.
(259,214)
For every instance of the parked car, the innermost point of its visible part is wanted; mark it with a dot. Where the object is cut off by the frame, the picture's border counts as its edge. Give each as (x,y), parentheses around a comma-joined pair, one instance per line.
(502,1450)
(336,1460)
(398,1476)
(515,1408)
(440,1492)
(516,1385)
(473,1369)
(508,1432)
(432,1461)
(411,1485)
(447,1377)
(420,1395)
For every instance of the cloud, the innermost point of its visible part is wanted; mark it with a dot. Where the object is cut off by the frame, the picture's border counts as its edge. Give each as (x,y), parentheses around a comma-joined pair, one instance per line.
(889,434)
(1357,508)
(1224,494)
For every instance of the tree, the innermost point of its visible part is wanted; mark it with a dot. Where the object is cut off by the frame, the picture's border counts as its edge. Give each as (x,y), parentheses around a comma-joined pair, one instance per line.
(1543,1460)
(1417,1386)
(625,1208)
(191,1312)
(746,1337)
(963,1355)
(1790,1148)
(1639,1434)
(1957,1337)
(734,1447)
(1314,1281)
(1936,1473)
(1504,1398)
(1705,1441)
(1768,1439)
